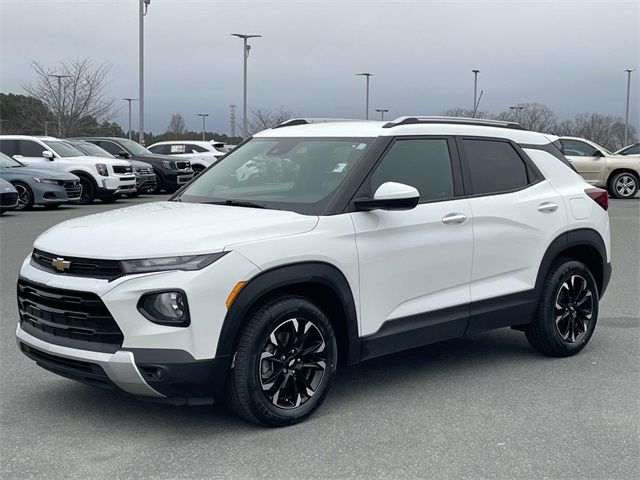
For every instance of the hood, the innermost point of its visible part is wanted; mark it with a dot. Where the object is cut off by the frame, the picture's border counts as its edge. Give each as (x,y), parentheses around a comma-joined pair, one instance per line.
(36,172)
(104,160)
(139,164)
(165,229)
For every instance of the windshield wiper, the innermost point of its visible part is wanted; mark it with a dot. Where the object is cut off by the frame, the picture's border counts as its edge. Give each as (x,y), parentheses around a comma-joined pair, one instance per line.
(237,203)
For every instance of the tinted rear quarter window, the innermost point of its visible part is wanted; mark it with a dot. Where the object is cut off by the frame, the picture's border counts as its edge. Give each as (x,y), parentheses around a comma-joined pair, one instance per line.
(9,147)
(494,166)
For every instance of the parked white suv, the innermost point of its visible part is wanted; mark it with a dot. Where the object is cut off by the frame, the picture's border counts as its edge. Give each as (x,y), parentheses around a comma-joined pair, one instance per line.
(102,178)
(350,241)
(200,153)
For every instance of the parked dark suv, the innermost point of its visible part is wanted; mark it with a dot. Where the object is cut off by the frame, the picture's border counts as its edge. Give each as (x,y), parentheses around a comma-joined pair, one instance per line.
(171,173)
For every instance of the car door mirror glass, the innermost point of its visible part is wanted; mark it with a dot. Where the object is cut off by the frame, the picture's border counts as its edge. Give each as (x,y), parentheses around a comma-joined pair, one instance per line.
(390,196)
(123,154)
(598,153)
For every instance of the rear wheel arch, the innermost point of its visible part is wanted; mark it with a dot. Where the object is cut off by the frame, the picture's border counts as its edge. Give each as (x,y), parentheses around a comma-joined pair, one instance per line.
(616,171)
(585,245)
(321,283)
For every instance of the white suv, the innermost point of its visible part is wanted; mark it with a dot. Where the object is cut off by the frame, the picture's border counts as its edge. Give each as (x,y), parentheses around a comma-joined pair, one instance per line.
(200,153)
(349,241)
(100,177)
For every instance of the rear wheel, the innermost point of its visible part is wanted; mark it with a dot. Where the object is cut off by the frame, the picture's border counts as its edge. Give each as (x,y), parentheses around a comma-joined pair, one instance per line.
(284,364)
(567,312)
(624,185)
(25,196)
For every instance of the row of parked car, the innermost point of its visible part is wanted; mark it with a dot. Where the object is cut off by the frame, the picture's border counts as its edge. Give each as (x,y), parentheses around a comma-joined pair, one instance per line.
(50,171)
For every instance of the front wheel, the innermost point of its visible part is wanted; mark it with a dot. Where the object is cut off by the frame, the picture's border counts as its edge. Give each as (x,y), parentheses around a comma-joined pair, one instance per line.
(25,196)
(623,185)
(284,364)
(567,311)
(88,194)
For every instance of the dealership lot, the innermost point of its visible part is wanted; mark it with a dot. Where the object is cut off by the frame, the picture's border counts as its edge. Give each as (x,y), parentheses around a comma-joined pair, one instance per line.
(484,406)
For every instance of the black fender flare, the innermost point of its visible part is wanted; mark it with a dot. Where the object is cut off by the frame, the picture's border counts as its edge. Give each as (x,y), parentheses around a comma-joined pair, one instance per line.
(281,277)
(573,238)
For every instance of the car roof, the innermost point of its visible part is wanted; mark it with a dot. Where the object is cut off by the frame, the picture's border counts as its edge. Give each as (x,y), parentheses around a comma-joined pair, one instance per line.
(32,137)
(359,129)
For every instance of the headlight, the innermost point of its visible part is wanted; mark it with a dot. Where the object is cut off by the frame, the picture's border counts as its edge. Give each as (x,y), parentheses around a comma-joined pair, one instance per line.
(45,180)
(102,169)
(191,262)
(165,308)
(169,165)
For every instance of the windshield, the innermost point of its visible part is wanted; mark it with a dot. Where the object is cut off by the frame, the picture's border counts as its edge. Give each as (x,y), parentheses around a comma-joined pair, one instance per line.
(92,149)
(133,147)
(279,173)
(63,149)
(6,161)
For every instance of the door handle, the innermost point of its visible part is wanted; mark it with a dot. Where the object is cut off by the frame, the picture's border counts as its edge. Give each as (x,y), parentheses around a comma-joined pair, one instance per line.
(545,207)
(454,218)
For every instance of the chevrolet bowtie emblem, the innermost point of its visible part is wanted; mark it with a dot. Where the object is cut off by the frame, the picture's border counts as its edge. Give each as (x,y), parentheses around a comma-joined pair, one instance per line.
(60,264)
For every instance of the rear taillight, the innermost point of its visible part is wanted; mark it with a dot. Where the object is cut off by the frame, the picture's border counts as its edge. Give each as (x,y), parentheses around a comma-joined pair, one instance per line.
(600,196)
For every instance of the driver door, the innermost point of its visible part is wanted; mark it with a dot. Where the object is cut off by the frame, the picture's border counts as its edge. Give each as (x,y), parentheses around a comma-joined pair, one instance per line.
(415,265)
(30,153)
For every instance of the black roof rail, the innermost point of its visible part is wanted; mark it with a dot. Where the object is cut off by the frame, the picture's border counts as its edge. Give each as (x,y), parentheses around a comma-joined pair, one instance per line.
(453,120)
(307,121)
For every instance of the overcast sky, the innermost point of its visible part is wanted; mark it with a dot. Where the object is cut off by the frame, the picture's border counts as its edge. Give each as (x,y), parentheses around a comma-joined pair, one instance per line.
(568,55)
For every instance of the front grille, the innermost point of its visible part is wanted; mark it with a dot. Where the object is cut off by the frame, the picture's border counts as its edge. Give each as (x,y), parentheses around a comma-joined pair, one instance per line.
(72,187)
(86,372)
(143,171)
(67,317)
(8,199)
(183,165)
(78,267)
(122,169)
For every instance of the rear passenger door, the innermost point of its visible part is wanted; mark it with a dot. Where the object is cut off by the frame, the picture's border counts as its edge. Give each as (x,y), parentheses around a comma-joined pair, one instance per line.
(516,214)
(415,265)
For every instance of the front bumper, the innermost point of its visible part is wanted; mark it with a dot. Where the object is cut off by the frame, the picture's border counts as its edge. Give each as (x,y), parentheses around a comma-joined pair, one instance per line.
(178,178)
(146,182)
(151,360)
(118,184)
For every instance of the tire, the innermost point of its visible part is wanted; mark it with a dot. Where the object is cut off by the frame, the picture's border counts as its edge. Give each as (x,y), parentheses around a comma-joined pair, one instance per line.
(567,310)
(51,206)
(265,383)
(159,185)
(197,169)
(623,185)
(25,196)
(88,191)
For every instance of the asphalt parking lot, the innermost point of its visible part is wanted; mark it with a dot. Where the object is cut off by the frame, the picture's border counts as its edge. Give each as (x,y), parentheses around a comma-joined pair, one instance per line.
(485,406)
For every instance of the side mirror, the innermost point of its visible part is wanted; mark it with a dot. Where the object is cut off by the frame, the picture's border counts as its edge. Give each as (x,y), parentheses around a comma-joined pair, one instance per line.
(48,154)
(598,153)
(390,196)
(123,154)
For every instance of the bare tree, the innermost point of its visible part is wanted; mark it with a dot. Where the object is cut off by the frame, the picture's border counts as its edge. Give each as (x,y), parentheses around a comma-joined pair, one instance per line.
(605,130)
(77,101)
(532,116)
(263,119)
(464,112)
(176,125)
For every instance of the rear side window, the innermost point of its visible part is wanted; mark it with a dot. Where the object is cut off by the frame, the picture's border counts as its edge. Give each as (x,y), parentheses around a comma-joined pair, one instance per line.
(9,147)
(421,163)
(195,149)
(160,149)
(494,166)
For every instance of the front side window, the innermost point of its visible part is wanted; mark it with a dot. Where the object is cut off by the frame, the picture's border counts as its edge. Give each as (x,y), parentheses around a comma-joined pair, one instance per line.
(577,148)
(30,149)
(494,166)
(421,163)
(280,173)
(62,149)
(92,149)
(633,150)
(132,147)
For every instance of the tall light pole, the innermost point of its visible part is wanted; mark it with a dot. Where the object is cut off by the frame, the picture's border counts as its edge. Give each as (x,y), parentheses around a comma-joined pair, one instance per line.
(232,119)
(129,100)
(367,75)
(203,115)
(626,113)
(60,102)
(517,109)
(475,89)
(144,5)
(247,47)
(382,111)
